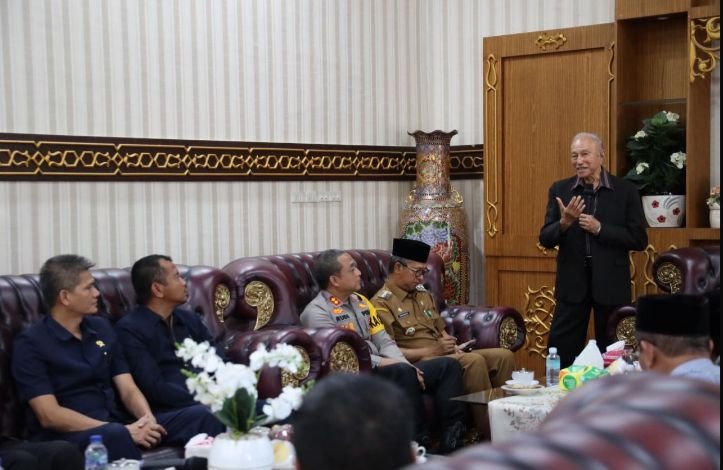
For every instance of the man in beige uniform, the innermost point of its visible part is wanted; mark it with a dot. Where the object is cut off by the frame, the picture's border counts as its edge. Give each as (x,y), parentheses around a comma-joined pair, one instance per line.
(410,317)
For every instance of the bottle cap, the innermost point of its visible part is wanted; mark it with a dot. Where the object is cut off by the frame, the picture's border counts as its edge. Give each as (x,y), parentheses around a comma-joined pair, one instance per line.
(96,438)
(553,350)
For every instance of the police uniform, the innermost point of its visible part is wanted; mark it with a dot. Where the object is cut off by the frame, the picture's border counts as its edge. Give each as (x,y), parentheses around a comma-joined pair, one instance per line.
(442,377)
(412,320)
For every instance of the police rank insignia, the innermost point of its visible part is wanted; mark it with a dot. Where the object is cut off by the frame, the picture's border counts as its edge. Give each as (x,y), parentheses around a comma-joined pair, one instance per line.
(335,300)
(410,331)
(337,311)
(385,294)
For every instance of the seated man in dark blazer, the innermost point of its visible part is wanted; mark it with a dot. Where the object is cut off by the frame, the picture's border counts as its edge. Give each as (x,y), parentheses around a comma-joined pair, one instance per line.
(149,333)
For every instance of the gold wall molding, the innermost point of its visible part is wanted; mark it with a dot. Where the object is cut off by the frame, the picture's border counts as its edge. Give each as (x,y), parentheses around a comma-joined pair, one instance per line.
(625,331)
(539,308)
(259,295)
(508,333)
(703,55)
(492,192)
(553,42)
(48,157)
(547,251)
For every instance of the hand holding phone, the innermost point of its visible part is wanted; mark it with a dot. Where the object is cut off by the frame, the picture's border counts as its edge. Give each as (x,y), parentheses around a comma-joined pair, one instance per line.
(467,346)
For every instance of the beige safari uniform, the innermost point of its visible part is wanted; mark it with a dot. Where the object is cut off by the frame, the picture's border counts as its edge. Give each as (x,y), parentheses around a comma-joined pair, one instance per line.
(412,320)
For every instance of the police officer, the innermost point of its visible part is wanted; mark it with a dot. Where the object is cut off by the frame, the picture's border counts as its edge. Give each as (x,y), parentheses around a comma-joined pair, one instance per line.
(337,305)
(410,317)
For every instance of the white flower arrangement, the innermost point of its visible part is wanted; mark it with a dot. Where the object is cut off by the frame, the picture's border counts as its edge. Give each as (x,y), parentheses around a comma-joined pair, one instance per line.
(230,390)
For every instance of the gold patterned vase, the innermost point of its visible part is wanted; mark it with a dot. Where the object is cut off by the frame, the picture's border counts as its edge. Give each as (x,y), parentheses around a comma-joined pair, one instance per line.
(433,213)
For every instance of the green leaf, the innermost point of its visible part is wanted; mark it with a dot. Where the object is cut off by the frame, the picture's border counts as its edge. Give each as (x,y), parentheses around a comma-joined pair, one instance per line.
(239,412)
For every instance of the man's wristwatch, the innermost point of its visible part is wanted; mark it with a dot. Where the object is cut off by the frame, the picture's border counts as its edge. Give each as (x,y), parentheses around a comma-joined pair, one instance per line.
(599,229)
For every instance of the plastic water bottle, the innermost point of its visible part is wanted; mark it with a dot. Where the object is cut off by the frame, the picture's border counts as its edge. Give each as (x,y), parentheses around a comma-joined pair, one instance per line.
(96,454)
(552,368)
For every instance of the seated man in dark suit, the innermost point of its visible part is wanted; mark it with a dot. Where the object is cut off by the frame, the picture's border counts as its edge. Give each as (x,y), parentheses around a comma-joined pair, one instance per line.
(70,368)
(149,334)
(52,455)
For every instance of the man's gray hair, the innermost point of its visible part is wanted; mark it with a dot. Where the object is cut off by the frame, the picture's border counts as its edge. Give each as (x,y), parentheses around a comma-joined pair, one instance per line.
(592,136)
(61,272)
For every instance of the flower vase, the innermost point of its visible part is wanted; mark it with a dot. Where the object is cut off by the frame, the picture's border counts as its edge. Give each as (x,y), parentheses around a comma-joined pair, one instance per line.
(248,452)
(664,210)
(434,214)
(714,216)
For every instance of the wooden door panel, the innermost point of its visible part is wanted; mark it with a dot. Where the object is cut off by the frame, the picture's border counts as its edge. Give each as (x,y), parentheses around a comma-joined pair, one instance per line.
(536,99)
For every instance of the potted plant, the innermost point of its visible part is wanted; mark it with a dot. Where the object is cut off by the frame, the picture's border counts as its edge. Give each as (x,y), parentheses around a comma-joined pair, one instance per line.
(713,202)
(230,390)
(657,154)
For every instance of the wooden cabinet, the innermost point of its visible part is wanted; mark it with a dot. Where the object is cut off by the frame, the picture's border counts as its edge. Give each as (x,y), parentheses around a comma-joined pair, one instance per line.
(542,88)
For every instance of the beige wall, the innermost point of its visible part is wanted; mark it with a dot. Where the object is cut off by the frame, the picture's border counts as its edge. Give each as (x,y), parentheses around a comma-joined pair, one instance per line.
(335,72)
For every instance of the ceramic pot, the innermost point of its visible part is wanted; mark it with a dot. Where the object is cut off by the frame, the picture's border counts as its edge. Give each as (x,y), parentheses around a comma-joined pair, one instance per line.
(248,452)
(714,216)
(434,213)
(664,210)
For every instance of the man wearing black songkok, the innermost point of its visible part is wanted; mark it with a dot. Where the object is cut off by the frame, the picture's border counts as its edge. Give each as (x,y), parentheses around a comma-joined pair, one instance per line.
(674,336)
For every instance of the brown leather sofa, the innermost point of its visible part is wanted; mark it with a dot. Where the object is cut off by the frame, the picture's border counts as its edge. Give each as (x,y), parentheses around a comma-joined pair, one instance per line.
(691,270)
(272,291)
(637,421)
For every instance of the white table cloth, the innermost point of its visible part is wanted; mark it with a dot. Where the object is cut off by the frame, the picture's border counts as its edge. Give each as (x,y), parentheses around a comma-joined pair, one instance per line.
(514,414)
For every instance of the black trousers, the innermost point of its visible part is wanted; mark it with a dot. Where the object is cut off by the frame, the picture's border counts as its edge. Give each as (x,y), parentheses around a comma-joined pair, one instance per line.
(50,455)
(568,332)
(443,380)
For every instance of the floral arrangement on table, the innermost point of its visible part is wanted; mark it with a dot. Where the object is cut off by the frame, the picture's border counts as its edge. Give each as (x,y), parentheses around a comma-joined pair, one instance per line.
(713,200)
(230,390)
(657,154)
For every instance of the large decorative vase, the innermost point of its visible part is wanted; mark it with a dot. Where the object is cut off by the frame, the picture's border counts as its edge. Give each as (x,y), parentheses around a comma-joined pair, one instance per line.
(714,216)
(248,452)
(433,213)
(664,210)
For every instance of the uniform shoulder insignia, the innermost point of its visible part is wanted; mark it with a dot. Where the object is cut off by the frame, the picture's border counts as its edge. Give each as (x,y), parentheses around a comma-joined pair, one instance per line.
(421,288)
(385,294)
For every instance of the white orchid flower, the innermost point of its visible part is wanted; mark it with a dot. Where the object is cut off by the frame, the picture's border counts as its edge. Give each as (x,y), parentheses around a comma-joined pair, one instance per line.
(678,159)
(641,167)
(640,135)
(671,117)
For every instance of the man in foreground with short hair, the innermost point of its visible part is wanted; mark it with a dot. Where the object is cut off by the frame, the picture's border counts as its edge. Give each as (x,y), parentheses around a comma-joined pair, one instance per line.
(339,305)
(353,422)
(673,333)
(70,369)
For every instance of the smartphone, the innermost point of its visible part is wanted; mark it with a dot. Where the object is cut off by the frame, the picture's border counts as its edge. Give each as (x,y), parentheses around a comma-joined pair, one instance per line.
(468,346)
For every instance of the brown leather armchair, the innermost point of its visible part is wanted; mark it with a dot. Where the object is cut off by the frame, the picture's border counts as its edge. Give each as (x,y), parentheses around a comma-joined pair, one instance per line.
(691,270)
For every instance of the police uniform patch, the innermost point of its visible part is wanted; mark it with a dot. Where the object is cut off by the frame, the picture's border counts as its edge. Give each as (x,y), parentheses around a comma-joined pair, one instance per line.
(375,324)
(410,331)
(385,294)
(421,288)
(338,311)
(429,313)
(335,300)
(341,318)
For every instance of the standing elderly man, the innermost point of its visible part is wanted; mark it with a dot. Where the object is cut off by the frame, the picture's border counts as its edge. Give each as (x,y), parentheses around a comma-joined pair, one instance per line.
(673,332)
(410,316)
(338,305)
(596,219)
(70,368)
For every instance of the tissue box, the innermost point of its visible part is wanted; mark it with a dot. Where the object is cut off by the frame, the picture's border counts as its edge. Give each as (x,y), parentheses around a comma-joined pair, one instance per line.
(575,376)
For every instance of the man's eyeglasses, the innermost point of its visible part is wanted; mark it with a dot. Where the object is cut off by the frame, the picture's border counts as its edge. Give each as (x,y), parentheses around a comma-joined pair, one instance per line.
(420,272)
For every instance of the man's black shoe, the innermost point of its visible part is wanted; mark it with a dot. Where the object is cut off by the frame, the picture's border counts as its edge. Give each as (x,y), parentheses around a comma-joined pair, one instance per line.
(452,438)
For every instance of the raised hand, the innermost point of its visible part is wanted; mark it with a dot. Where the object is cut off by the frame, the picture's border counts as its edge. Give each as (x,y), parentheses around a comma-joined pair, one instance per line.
(570,213)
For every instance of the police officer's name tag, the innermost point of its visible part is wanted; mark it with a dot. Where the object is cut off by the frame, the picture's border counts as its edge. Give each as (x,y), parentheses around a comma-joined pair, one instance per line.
(403,315)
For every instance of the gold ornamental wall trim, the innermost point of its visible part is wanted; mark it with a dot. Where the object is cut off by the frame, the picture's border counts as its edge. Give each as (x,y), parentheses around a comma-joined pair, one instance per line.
(48,157)
(491,187)
(550,41)
(703,55)
(221,300)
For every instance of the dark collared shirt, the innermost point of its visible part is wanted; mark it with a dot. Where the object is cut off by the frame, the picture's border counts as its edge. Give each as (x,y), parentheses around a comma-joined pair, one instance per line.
(591,205)
(48,360)
(149,344)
